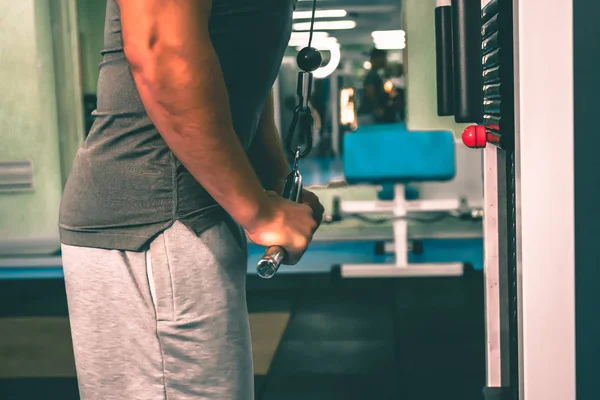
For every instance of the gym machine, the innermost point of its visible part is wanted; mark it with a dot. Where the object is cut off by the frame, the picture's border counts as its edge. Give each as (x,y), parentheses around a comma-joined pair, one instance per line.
(475,83)
(528,84)
(483,86)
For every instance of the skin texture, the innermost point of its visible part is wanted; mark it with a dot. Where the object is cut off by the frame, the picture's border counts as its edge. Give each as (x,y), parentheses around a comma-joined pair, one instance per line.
(180,82)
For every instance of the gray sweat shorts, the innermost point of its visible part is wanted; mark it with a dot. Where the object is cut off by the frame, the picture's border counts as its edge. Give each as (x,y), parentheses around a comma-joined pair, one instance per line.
(170,323)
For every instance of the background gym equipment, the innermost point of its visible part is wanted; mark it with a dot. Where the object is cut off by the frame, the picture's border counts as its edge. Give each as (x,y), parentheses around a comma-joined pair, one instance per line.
(392,155)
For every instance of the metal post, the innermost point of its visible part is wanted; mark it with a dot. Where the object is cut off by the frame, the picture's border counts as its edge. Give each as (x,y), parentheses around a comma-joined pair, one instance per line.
(496,268)
(545,175)
(400,227)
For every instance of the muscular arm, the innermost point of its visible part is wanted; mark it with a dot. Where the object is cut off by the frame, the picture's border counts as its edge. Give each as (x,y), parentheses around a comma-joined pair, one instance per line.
(180,82)
(266,153)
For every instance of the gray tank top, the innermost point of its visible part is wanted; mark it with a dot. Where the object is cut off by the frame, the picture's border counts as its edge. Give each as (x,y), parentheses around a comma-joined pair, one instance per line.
(126,186)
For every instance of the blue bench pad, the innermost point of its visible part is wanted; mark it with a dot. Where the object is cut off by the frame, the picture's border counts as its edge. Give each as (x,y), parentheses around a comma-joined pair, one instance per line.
(396,155)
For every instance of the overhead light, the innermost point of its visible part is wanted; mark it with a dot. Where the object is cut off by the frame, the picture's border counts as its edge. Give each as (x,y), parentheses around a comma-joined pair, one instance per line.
(388,34)
(325,25)
(390,44)
(389,40)
(386,45)
(367,65)
(320,14)
(335,56)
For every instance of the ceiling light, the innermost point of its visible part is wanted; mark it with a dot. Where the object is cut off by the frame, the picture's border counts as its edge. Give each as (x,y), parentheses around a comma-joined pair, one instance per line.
(325,25)
(335,56)
(320,14)
(395,34)
(389,40)
(390,45)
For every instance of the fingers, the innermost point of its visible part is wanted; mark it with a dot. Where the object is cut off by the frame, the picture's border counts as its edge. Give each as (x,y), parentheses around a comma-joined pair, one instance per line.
(312,200)
(296,249)
(318,217)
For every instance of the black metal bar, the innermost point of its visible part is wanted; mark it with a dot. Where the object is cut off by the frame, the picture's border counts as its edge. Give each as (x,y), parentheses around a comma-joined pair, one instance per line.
(444,60)
(466,30)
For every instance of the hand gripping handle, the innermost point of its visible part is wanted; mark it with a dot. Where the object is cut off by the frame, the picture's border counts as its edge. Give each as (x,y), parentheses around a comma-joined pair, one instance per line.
(271,261)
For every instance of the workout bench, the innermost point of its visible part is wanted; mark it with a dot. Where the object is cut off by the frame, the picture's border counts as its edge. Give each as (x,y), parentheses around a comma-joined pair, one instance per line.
(389,154)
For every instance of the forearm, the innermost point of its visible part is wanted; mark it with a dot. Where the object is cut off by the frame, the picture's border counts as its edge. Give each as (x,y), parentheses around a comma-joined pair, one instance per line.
(190,110)
(266,153)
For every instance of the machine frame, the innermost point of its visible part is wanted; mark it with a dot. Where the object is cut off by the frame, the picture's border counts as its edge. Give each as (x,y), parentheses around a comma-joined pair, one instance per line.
(544,245)
(545,180)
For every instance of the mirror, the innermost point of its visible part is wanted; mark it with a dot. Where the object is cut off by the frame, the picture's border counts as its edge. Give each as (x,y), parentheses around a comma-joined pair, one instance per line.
(361,42)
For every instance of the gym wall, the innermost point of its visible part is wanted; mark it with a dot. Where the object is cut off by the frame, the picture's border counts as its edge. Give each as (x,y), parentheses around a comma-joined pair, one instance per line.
(420,70)
(41,120)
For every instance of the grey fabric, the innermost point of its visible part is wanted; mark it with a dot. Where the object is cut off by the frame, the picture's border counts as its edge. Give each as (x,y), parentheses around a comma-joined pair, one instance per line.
(168,323)
(126,186)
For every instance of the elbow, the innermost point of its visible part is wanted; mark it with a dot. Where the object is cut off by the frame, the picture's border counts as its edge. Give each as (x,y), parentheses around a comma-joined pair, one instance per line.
(144,52)
(158,66)
(142,62)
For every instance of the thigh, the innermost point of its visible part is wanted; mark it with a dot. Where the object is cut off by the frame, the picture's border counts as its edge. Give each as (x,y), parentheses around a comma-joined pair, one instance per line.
(200,299)
(113,327)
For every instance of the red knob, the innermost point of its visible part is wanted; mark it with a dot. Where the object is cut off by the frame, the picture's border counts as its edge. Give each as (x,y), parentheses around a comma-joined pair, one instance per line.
(474,137)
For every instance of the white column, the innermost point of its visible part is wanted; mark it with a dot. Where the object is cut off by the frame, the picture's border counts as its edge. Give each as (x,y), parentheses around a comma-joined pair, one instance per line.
(400,227)
(545,197)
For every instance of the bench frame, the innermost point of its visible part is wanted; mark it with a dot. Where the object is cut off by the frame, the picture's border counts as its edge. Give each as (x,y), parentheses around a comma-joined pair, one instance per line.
(399,208)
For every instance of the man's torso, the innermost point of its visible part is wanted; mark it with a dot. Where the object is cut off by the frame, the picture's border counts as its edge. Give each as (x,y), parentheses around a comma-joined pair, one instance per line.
(126,186)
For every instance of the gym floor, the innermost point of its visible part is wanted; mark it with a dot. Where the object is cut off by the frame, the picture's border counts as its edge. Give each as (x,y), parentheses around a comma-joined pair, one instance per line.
(315,336)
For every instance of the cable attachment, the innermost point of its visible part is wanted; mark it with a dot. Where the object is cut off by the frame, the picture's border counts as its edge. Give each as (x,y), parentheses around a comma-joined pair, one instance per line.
(300,134)
(304,88)
(309,59)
